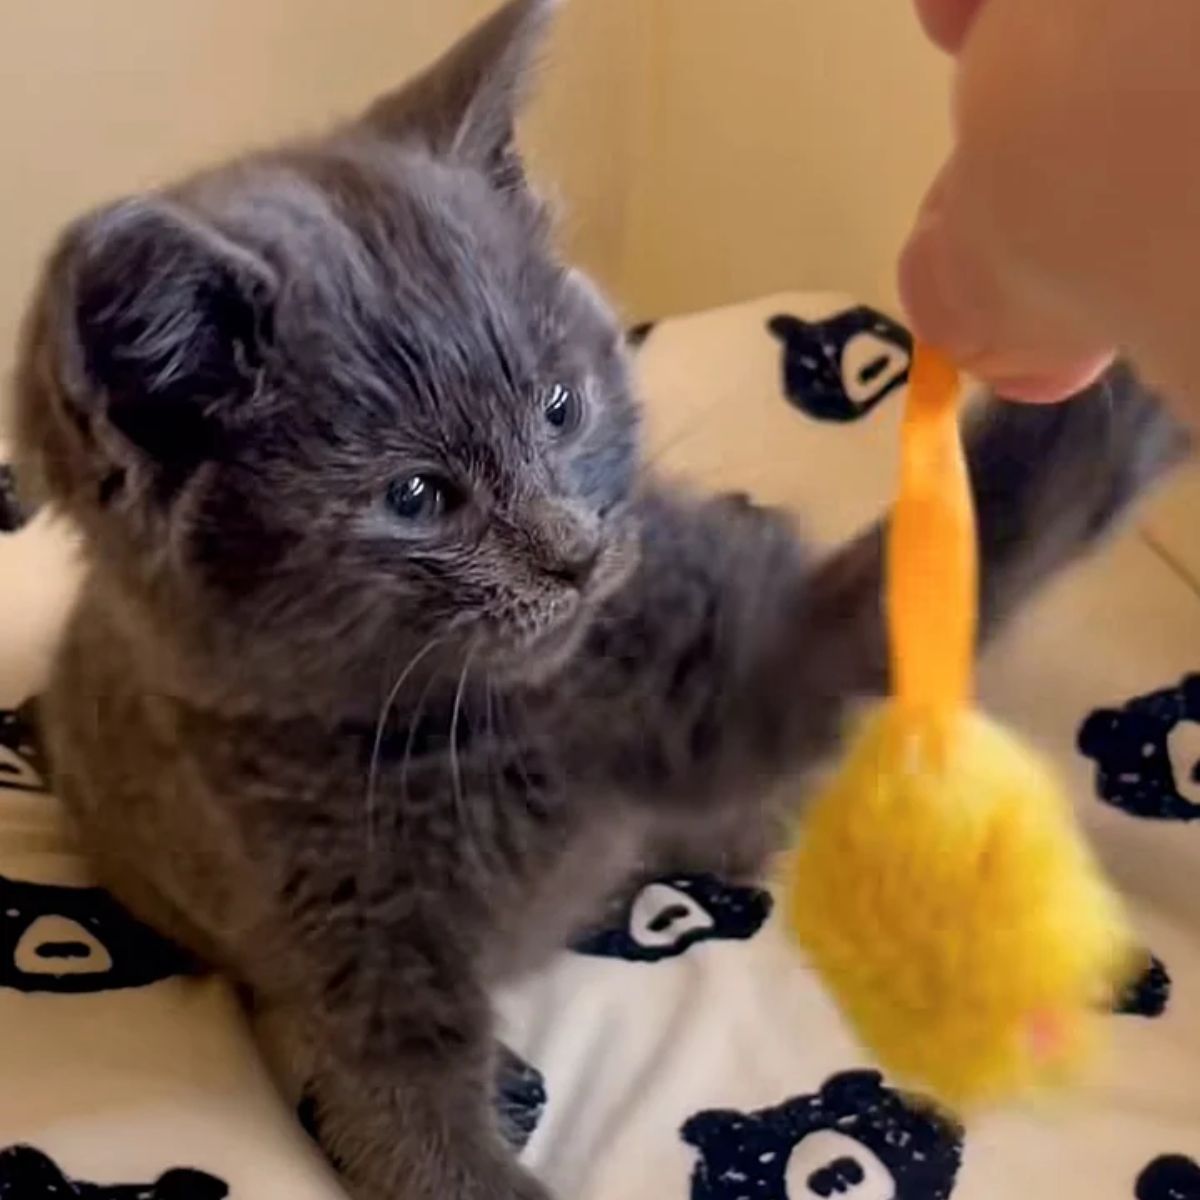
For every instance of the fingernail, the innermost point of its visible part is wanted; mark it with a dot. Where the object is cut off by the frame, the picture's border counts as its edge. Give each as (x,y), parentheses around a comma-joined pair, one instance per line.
(955,300)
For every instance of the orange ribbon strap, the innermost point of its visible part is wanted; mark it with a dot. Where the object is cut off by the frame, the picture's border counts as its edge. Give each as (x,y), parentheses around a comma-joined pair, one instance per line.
(932,575)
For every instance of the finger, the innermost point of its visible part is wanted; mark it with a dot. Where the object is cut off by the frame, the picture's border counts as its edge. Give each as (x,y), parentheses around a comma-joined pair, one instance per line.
(962,296)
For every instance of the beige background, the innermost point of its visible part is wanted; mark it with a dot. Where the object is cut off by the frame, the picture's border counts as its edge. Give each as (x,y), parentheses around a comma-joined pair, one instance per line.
(704,150)
(784,144)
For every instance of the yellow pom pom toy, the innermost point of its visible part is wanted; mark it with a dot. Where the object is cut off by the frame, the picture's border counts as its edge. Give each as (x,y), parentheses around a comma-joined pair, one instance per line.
(940,885)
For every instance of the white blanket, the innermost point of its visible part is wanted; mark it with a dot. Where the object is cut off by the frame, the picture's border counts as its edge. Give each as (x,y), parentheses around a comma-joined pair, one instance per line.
(684,1050)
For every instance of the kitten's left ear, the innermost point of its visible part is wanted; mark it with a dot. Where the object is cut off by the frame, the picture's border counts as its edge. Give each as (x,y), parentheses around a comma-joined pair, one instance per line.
(465,106)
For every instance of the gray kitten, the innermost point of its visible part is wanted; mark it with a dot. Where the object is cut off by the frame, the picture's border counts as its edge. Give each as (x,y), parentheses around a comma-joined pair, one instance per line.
(392,664)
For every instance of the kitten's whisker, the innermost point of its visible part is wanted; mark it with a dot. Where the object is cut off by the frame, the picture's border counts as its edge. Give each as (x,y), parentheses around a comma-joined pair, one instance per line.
(456,712)
(411,741)
(381,725)
(503,714)
(492,732)
(518,740)
(492,741)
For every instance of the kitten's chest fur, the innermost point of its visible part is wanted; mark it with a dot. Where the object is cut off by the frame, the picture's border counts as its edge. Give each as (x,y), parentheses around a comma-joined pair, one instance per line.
(496,810)
(485,823)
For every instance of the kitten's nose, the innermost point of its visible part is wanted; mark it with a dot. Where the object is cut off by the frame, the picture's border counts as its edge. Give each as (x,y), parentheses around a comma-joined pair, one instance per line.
(577,569)
(571,545)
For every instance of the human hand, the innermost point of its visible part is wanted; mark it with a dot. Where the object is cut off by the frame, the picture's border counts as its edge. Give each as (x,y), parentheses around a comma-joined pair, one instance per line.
(1067,220)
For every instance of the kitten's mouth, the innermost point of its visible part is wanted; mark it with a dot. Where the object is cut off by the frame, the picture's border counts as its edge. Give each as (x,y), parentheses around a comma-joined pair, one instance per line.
(539,652)
(534,656)
(557,639)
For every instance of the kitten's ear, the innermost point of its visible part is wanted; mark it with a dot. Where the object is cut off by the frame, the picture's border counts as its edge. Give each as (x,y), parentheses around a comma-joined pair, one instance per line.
(465,106)
(166,321)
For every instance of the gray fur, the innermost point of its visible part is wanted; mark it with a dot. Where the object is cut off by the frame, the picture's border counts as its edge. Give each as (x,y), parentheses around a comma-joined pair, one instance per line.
(371,769)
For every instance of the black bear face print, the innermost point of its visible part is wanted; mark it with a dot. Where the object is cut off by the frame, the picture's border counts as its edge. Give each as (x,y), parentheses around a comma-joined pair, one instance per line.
(1170,1177)
(841,368)
(28,1174)
(1148,995)
(856,1139)
(22,765)
(74,940)
(12,515)
(665,918)
(1147,754)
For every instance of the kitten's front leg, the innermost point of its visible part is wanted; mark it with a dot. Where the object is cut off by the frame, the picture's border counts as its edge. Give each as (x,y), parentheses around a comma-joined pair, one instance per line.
(1050,482)
(731,660)
(415,1132)
(403,1087)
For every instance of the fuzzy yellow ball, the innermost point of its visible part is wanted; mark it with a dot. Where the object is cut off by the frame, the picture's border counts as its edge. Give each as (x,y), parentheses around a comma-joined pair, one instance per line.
(943,893)
(939,884)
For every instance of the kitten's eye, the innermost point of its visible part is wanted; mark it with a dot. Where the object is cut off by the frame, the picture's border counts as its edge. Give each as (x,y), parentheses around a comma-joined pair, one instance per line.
(420,498)
(563,409)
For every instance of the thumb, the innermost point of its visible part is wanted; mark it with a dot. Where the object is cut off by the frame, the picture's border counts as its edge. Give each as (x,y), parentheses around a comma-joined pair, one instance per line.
(966,295)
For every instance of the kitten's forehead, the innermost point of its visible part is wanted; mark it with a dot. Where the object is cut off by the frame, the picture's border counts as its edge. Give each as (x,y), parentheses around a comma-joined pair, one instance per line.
(371,213)
(402,276)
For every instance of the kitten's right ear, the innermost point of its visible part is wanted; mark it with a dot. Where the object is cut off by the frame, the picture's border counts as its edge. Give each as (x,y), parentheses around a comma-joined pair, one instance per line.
(163,322)
(466,104)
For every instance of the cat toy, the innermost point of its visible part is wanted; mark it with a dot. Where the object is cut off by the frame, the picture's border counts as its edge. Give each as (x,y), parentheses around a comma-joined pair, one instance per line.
(939,883)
